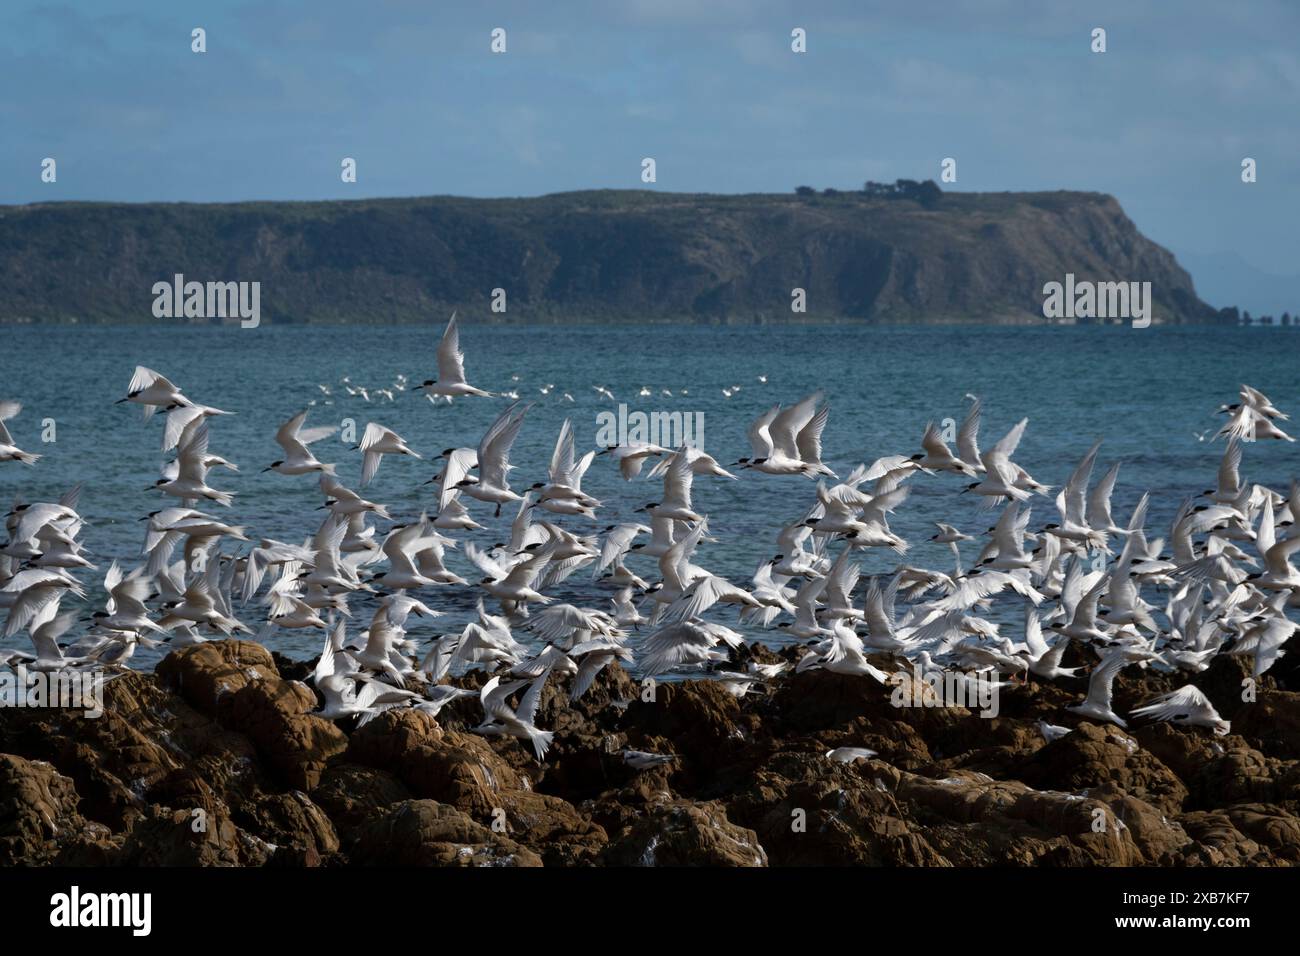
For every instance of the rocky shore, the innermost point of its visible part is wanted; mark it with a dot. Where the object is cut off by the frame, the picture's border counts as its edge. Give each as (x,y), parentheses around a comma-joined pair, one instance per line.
(216,759)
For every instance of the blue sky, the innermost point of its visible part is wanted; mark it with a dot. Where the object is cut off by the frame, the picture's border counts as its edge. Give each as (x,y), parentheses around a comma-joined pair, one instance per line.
(710,89)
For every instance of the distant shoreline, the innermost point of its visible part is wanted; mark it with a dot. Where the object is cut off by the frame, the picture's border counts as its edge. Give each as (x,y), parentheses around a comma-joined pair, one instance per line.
(534,322)
(902,254)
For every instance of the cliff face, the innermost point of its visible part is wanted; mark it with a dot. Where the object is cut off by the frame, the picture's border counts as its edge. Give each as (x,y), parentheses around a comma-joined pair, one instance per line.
(598,255)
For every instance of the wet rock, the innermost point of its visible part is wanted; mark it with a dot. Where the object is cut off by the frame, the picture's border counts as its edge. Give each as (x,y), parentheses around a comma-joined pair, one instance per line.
(352,794)
(451,767)
(553,827)
(1225,681)
(1159,839)
(1241,774)
(182,838)
(289,669)
(428,833)
(1218,842)
(187,789)
(972,820)
(144,735)
(896,742)
(612,686)
(617,809)
(289,820)
(1094,755)
(205,673)
(1181,750)
(578,764)
(819,700)
(38,812)
(293,743)
(704,722)
(687,834)
(232,768)
(809,810)
(1270,826)
(1271,723)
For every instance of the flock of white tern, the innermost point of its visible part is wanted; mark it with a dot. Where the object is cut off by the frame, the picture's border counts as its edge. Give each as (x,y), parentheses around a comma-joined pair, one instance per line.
(1226,576)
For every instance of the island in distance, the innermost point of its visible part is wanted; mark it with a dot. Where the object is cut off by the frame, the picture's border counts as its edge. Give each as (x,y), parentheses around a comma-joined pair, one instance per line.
(902,253)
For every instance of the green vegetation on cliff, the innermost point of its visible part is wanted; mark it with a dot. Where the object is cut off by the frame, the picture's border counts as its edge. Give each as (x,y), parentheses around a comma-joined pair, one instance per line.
(607,255)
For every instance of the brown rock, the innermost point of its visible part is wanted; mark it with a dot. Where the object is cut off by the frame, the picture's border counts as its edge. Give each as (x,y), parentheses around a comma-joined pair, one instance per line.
(1218,842)
(1237,775)
(428,833)
(351,794)
(687,834)
(1271,723)
(703,721)
(112,758)
(294,744)
(617,810)
(808,810)
(1159,840)
(124,758)
(204,673)
(185,838)
(819,700)
(896,742)
(38,813)
(1270,826)
(289,820)
(973,820)
(450,767)
(1094,755)
(552,827)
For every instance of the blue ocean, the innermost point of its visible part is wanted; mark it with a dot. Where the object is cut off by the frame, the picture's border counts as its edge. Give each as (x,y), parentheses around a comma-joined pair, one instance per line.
(1149,393)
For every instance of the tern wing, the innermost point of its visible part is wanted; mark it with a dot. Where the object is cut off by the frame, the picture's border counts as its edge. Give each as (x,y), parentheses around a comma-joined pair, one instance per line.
(968,437)
(1188,699)
(787,425)
(191,456)
(759,432)
(527,709)
(809,438)
(1102,682)
(1075,491)
(562,457)
(1098,513)
(451,360)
